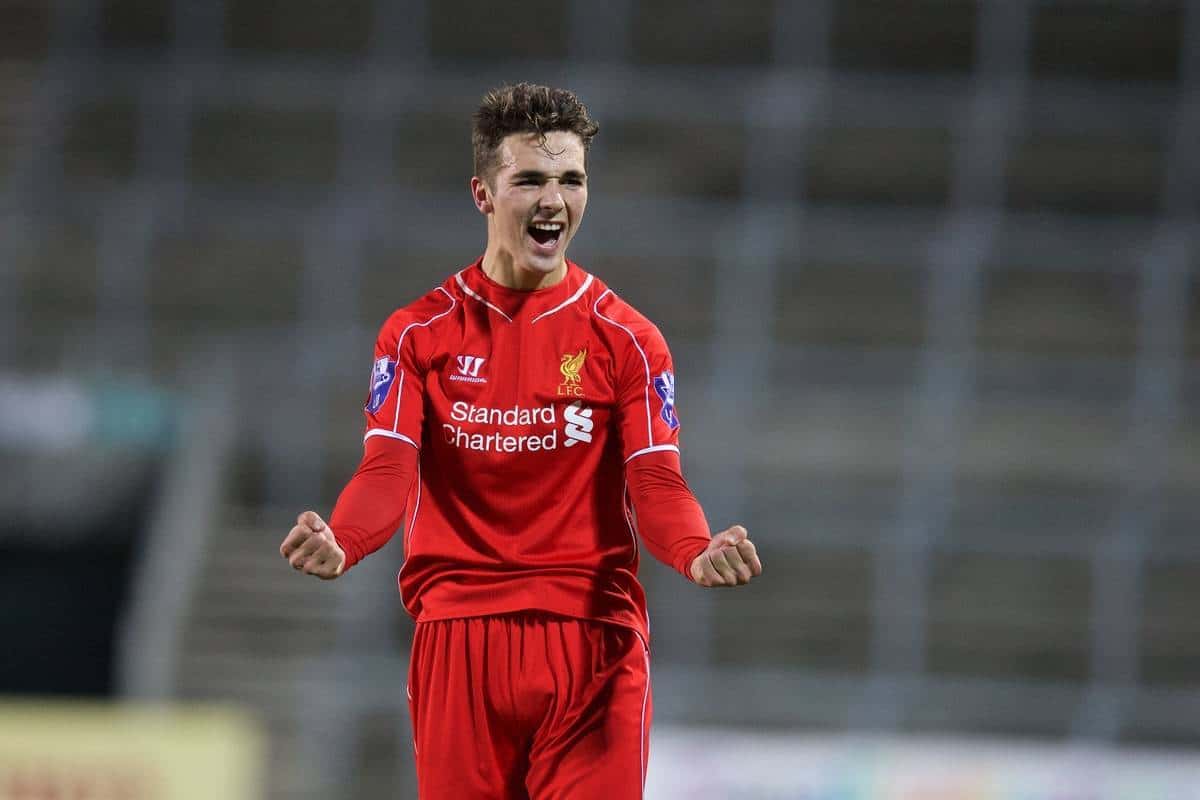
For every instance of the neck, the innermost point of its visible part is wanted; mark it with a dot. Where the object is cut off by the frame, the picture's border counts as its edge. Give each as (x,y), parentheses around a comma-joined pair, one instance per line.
(503,269)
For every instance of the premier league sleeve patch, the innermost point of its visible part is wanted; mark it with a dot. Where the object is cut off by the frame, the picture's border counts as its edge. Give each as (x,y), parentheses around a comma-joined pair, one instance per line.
(382,376)
(664,385)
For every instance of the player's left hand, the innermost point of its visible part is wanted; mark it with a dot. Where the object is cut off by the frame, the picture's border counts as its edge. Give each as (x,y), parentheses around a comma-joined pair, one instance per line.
(729,560)
(311,548)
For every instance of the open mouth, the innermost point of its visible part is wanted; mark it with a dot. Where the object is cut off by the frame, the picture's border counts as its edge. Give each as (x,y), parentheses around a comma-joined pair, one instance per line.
(546,234)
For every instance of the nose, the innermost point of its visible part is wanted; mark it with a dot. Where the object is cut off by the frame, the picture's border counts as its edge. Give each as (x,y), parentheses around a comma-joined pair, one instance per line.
(551,198)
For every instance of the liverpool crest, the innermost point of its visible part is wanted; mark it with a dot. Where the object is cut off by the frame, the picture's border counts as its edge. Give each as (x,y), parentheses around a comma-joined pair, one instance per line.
(570,366)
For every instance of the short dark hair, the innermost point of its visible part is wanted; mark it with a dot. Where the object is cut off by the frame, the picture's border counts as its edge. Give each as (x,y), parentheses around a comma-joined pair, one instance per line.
(526,108)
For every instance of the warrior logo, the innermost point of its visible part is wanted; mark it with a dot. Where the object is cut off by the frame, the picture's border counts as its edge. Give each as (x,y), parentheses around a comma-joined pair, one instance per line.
(664,385)
(468,369)
(570,367)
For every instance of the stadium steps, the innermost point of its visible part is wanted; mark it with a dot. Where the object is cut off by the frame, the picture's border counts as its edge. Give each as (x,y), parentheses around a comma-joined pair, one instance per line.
(250,630)
(262,637)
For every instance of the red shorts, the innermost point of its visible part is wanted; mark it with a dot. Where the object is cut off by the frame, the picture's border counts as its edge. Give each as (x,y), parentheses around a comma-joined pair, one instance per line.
(529,705)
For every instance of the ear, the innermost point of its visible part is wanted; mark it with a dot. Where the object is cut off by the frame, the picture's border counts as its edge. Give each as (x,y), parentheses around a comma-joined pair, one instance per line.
(482,196)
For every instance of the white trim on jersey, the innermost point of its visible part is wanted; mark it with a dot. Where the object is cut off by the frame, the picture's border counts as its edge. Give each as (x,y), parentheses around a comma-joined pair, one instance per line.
(578,294)
(399,394)
(645,361)
(408,534)
(626,508)
(400,344)
(470,293)
(645,697)
(390,435)
(656,448)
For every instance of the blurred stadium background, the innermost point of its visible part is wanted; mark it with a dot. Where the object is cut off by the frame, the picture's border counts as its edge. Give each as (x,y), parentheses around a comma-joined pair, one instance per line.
(928,267)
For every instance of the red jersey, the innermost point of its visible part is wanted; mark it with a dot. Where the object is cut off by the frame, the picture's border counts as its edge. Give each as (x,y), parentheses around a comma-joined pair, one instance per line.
(526,407)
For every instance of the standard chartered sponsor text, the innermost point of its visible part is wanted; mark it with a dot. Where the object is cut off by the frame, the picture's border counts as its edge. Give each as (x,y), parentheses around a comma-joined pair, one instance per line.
(463,411)
(497,442)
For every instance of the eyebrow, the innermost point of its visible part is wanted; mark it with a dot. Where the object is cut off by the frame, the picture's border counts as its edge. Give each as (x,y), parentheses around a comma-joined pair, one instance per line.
(537,173)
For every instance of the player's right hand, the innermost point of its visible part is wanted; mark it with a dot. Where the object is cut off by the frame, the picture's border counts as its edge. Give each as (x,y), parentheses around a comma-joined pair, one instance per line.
(731,559)
(310,548)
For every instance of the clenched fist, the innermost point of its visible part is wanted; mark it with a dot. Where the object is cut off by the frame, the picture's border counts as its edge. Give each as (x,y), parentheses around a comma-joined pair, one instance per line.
(730,560)
(311,548)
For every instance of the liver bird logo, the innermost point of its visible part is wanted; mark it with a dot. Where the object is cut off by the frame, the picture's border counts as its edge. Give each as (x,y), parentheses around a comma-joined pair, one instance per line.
(570,366)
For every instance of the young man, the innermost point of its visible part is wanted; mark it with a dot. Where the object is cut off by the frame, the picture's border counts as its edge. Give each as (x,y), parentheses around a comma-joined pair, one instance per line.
(524,415)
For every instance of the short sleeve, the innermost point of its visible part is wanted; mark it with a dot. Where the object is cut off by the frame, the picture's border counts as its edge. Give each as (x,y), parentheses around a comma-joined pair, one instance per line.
(646,414)
(395,406)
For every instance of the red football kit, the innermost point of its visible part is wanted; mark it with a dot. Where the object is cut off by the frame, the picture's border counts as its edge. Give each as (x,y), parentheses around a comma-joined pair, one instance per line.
(532,437)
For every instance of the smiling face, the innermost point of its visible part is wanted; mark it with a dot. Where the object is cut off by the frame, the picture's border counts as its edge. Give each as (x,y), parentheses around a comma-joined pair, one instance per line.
(534,201)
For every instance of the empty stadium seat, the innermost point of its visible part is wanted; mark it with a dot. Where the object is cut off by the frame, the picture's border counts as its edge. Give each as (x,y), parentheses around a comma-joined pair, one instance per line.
(101,140)
(970,705)
(895,166)
(538,32)
(26,27)
(657,159)
(308,28)
(1164,717)
(215,277)
(142,24)
(1169,638)
(250,144)
(677,293)
(1102,40)
(847,304)
(709,32)
(60,278)
(1046,312)
(1003,514)
(1002,616)
(433,151)
(1098,173)
(1032,438)
(1191,332)
(818,618)
(907,36)
(397,272)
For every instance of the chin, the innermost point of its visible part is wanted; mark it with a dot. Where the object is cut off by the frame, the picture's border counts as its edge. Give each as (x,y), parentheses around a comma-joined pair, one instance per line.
(545,263)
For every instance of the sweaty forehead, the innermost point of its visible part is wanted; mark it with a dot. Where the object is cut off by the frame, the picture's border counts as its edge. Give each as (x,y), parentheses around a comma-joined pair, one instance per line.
(560,150)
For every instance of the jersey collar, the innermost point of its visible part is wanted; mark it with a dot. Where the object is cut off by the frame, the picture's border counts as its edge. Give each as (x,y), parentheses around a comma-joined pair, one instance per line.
(518,304)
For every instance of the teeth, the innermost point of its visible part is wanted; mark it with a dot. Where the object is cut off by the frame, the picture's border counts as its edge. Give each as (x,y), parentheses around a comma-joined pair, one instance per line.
(548,226)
